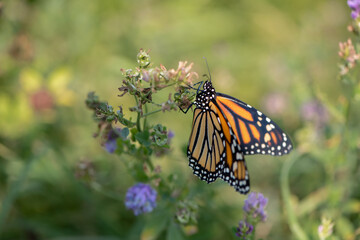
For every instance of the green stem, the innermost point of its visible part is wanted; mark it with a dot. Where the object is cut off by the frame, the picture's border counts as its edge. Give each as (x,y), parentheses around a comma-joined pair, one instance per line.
(285,191)
(147,114)
(138,116)
(144,116)
(97,187)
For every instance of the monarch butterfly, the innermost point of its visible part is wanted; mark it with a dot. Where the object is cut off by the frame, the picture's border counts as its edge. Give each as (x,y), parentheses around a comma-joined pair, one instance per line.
(224,129)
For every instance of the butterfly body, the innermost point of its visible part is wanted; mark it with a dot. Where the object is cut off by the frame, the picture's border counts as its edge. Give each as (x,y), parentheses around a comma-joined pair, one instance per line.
(224,130)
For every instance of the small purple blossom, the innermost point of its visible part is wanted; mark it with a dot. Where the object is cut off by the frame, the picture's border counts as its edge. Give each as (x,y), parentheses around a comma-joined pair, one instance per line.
(355,7)
(171,134)
(244,229)
(255,206)
(141,198)
(111,141)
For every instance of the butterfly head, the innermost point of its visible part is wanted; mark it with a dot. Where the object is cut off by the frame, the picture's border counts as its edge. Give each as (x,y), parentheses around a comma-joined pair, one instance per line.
(204,97)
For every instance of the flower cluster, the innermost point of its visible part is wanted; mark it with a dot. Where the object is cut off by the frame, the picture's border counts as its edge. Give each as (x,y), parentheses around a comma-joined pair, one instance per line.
(244,229)
(325,229)
(254,209)
(349,56)
(144,81)
(186,212)
(255,206)
(355,7)
(111,141)
(141,198)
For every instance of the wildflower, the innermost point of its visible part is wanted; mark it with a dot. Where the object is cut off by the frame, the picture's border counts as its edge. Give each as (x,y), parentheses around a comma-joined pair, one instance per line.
(143,58)
(244,229)
(314,111)
(325,229)
(141,198)
(275,103)
(168,105)
(183,73)
(348,53)
(186,212)
(41,100)
(170,135)
(355,7)
(111,141)
(255,206)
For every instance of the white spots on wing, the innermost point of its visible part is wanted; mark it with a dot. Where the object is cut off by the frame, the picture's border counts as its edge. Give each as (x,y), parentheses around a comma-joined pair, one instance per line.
(235,166)
(267,137)
(239,156)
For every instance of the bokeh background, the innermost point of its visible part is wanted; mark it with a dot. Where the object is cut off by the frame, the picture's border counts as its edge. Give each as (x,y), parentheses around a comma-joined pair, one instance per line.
(279,56)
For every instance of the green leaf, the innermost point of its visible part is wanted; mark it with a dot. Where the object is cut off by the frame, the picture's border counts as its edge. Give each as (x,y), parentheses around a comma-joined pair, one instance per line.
(143,138)
(124,133)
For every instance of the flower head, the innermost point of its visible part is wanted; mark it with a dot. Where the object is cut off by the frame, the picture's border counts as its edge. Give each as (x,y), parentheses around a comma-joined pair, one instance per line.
(111,141)
(141,198)
(170,135)
(355,7)
(255,206)
(186,212)
(349,56)
(244,229)
(325,229)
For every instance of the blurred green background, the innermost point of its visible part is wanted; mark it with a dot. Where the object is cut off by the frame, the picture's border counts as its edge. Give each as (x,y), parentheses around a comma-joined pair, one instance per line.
(53,52)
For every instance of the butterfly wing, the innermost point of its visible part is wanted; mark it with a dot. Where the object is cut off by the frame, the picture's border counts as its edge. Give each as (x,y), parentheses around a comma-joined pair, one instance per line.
(256,133)
(214,151)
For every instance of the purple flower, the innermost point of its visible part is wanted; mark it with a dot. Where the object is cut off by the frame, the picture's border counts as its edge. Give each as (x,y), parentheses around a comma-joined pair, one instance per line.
(170,135)
(141,198)
(355,7)
(244,229)
(255,206)
(111,141)
(314,111)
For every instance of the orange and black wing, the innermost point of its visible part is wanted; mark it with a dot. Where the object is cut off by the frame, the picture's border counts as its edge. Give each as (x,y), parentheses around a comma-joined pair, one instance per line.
(255,132)
(214,151)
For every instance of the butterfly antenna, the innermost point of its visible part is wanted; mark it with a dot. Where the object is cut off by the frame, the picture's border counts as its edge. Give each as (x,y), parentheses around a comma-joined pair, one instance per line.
(207,65)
